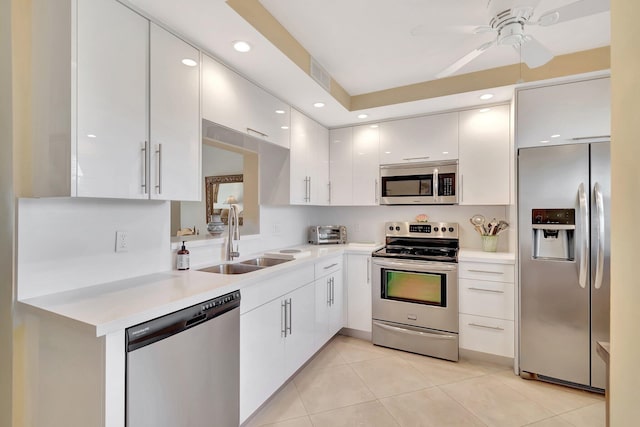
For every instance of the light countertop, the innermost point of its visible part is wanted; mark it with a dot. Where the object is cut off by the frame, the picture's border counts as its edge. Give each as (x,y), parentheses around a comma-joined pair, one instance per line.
(114,306)
(472,255)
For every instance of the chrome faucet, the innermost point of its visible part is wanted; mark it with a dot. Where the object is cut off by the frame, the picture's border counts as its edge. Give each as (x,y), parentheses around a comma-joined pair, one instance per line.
(233,233)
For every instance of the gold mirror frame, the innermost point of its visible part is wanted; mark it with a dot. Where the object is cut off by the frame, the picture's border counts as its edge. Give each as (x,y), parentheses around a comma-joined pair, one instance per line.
(212,186)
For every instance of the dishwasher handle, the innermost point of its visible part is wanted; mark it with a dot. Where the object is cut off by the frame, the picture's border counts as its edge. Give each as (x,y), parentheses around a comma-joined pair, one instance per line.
(155,330)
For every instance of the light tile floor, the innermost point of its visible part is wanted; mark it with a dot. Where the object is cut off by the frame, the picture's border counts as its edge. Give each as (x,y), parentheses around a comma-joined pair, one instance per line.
(351,382)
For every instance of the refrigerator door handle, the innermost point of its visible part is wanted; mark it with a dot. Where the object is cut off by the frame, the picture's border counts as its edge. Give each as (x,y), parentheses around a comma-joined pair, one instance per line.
(600,222)
(584,213)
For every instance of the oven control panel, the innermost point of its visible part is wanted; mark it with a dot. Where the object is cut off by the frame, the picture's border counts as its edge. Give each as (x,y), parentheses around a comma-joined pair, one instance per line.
(422,229)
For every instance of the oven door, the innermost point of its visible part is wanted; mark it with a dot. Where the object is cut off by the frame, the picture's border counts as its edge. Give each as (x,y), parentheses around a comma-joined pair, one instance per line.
(417,293)
(425,184)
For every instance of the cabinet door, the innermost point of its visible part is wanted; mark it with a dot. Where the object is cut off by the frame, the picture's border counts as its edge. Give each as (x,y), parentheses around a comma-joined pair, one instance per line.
(262,355)
(336,309)
(359,292)
(269,118)
(301,131)
(484,156)
(300,343)
(341,166)
(366,165)
(111,101)
(322,304)
(175,165)
(568,111)
(419,139)
(318,165)
(224,95)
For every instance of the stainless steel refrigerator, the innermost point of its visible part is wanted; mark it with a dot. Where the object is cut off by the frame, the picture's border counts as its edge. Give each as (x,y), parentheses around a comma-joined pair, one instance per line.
(563,218)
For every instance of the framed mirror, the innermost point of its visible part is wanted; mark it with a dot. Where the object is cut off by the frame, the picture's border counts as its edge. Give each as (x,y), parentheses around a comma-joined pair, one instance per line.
(221,190)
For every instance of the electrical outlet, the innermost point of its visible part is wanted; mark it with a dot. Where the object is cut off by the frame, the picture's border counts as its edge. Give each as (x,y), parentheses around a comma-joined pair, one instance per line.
(276,228)
(122,241)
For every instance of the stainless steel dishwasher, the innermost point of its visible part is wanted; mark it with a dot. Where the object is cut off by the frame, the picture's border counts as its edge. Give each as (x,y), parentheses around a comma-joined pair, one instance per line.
(183,369)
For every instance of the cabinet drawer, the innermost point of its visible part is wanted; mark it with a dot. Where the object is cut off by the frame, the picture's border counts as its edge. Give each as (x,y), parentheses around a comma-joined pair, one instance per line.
(486,298)
(267,290)
(487,335)
(328,266)
(487,271)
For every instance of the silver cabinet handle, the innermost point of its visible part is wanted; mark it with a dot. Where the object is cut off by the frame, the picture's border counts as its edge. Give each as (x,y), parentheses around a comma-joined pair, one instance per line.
(416,158)
(486,290)
(376,197)
(418,333)
(283,319)
(435,184)
(328,292)
(485,271)
(601,237)
(495,328)
(290,316)
(329,192)
(159,183)
(584,255)
(331,266)
(264,135)
(143,150)
(368,270)
(333,290)
(309,184)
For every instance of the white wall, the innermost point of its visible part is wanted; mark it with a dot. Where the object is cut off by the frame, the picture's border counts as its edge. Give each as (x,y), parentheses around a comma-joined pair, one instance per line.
(68,243)
(625,211)
(366,223)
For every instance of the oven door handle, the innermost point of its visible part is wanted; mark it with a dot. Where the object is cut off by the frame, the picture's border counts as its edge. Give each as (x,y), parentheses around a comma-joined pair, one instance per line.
(418,266)
(418,333)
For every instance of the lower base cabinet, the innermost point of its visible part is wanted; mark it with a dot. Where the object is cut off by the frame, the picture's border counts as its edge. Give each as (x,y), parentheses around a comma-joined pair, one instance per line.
(359,292)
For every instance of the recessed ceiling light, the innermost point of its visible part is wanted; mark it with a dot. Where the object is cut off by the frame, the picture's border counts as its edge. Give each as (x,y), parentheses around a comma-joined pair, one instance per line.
(544,142)
(555,135)
(279,111)
(319,104)
(91,136)
(484,110)
(373,126)
(445,152)
(284,127)
(241,46)
(189,62)
(486,96)
(363,116)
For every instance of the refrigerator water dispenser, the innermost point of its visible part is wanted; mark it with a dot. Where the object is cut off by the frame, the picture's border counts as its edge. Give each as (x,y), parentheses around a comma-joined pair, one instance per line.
(553,234)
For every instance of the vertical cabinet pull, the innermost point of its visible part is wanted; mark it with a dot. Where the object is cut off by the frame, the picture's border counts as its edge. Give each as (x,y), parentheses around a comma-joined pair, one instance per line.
(159,183)
(332,290)
(376,191)
(309,184)
(143,150)
(328,292)
(283,318)
(329,192)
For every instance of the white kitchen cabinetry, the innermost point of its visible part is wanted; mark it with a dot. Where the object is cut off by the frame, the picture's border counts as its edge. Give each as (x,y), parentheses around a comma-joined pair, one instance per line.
(309,161)
(329,297)
(102,96)
(359,292)
(232,101)
(354,167)
(484,164)
(277,337)
(419,139)
(487,307)
(564,113)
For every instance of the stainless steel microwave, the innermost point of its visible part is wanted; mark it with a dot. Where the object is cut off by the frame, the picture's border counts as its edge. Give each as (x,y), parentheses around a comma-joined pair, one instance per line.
(429,183)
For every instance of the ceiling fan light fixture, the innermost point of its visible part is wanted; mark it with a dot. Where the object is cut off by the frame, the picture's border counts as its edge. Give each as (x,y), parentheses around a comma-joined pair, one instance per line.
(511,34)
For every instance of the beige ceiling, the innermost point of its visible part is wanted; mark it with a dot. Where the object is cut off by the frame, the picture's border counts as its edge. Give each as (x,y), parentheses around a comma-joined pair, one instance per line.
(377,66)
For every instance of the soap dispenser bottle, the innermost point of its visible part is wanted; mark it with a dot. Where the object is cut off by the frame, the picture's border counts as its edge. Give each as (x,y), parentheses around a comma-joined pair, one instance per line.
(182,258)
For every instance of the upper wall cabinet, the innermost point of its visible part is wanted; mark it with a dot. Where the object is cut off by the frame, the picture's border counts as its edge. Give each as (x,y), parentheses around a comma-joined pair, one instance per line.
(564,113)
(419,139)
(115,112)
(309,161)
(484,156)
(232,101)
(354,165)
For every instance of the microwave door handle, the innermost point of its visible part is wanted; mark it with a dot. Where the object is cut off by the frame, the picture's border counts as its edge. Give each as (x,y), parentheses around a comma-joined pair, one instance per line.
(435,185)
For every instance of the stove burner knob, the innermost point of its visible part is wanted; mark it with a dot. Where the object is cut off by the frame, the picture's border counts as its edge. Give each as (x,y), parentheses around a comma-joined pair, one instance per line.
(451,229)
(397,228)
(390,228)
(435,228)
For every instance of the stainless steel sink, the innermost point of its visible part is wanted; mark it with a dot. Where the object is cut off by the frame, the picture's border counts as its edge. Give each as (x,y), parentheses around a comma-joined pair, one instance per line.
(264,261)
(236,268)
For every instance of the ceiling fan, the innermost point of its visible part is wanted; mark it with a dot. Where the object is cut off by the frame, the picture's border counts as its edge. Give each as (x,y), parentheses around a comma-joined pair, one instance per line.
(508,21)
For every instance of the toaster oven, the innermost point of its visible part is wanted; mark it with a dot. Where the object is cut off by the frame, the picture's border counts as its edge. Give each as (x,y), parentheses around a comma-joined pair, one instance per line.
(327,234)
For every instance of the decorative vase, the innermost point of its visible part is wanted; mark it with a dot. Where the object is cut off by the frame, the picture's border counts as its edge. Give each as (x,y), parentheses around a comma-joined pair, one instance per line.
(489,243)
(215,227)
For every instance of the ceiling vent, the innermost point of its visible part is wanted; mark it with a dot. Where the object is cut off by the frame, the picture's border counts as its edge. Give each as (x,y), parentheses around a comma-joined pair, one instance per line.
(320,75)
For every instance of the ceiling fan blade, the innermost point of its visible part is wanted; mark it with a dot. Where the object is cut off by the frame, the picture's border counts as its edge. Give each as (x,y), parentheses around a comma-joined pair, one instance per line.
(464,60)
(429,30)
(533,53)
(575,10)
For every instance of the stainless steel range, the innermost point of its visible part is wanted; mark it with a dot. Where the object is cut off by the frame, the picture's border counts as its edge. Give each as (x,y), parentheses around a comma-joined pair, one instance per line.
(415,289)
